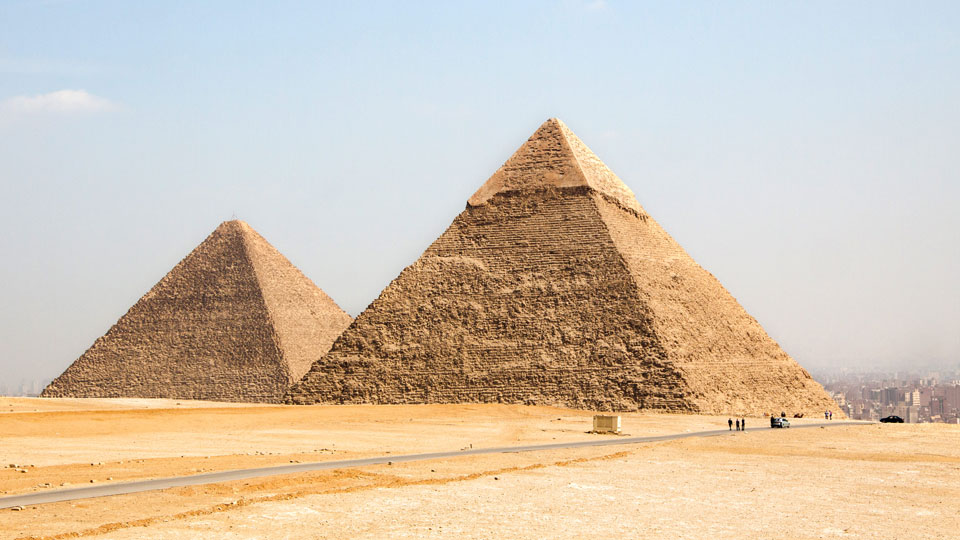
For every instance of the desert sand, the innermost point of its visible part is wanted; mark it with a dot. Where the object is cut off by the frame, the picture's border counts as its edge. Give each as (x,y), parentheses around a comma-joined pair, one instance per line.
(894,481)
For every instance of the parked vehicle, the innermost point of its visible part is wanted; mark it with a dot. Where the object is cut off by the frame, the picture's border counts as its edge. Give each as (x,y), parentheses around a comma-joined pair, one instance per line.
(779,422)
(893,419)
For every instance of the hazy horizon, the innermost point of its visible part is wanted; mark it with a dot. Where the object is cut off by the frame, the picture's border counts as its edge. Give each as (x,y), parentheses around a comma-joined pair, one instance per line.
(803,154)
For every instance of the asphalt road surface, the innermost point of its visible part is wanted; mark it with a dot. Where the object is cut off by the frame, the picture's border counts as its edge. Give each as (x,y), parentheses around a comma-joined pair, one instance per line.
(124,488)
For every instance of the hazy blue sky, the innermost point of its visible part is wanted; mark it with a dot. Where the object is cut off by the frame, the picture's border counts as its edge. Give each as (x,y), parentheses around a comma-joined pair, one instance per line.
(806,153)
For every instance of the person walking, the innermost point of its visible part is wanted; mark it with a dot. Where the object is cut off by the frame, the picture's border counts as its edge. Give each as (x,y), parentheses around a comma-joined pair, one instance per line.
(730,424)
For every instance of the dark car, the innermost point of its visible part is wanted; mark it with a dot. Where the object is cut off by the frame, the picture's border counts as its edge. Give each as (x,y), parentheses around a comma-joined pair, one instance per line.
(892,420)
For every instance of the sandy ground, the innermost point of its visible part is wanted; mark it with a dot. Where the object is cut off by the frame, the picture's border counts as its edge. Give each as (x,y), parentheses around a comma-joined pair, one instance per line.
(894,481)
(19,405)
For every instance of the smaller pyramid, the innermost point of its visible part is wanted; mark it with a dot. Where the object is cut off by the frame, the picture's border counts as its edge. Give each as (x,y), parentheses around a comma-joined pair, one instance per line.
(233,321)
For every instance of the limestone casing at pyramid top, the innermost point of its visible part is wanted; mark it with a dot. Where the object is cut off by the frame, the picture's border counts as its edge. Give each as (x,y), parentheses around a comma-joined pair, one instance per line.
(555,157)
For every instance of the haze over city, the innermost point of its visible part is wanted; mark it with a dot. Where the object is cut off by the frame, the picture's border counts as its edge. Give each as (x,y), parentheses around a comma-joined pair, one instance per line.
(805,157)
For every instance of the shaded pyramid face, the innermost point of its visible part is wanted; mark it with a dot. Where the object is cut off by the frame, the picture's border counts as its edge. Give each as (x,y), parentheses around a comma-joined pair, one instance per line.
(233,321)
(555,287)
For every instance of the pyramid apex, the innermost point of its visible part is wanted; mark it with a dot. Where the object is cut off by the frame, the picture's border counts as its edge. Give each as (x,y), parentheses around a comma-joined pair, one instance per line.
(234,223)
(555,157)
(236,226)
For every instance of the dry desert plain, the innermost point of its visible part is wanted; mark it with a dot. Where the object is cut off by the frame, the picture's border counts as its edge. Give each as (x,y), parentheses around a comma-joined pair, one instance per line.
(864,481)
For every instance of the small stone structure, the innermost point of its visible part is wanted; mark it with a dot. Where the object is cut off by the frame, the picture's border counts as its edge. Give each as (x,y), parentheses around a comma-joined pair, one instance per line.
(605,423)
(233,321)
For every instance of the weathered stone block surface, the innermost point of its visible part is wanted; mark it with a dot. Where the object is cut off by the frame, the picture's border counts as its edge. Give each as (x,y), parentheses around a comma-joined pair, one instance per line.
(555,287)
(233,321)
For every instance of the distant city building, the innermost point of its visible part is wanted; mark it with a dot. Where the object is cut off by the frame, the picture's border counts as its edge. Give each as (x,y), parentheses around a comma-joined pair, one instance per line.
(31,388)
(916,397)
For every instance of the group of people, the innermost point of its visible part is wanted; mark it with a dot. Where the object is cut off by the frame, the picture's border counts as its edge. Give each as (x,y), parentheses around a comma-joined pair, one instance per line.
(741,424)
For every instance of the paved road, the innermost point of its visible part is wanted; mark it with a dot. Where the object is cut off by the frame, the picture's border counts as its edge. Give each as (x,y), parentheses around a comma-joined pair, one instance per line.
(123,488)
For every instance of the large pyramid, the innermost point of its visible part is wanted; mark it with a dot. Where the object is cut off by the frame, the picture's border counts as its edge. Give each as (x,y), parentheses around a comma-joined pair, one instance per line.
(233,321)
(554,286)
